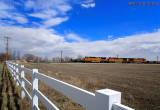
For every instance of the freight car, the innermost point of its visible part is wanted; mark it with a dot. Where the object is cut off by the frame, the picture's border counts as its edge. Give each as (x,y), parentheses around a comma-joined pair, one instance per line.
(126,60)
(94,59)
(116,60)
(137,60)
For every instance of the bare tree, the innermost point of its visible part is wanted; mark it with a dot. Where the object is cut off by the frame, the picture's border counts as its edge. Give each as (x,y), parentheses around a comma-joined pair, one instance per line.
(67,59)
(18,55)
(10,55)
(28,57)
(80,57)
(14,55)
(46,59)
(56,59)
(2,57)
(37,59)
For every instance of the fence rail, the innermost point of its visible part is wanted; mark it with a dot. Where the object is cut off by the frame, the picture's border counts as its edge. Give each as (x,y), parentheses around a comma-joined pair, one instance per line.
(105,99)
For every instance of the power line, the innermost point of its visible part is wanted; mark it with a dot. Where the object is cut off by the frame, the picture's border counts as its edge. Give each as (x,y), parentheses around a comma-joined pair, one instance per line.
(7,48)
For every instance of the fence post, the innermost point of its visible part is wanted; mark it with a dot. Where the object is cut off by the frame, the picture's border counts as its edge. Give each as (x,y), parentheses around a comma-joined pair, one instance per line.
(8,66)
(22,81)
(12,69)
(105,98)
(17,76)
(34,86)
(14,73)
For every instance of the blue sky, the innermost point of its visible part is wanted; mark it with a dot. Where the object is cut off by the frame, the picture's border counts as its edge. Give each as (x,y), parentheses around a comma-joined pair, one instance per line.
(115,18)
(84,27)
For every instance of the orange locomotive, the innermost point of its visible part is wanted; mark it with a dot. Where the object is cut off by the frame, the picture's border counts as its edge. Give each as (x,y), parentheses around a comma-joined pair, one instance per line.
(94,59)
(126,60)
(113,60)
(137,60)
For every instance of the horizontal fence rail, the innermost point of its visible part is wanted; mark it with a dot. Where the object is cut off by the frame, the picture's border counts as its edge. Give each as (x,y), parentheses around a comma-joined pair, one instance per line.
(105,99)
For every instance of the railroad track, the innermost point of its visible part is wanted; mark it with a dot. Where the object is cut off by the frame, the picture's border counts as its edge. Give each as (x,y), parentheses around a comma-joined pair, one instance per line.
(9,97)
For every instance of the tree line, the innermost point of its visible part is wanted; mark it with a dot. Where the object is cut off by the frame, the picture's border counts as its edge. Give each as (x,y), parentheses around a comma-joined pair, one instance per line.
(15,55)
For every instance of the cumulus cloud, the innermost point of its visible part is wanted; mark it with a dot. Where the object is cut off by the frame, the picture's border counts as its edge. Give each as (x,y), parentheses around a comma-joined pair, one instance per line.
(29,4)
(20,19)
(53,22)
(110,36)
(88,5)
(44,42)
(6,13)
(75,37)
(4,8)
(46,14)
(52,12)
(45,10)
(62,6)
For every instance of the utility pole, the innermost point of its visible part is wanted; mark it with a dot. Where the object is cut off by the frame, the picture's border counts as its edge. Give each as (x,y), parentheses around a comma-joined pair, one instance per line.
(157,58)
(7,48)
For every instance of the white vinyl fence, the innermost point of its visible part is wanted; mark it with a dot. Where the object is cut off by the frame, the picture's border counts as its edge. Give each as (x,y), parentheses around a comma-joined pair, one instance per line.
(105,99)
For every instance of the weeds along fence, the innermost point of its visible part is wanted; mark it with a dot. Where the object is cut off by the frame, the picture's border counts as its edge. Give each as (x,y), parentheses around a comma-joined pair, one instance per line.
(105,99)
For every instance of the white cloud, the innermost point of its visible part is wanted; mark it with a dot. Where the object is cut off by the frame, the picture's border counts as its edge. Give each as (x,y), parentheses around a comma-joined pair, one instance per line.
(21,20)
(29,4)
(110,36)
(46,10)
(47,14)
(54,21)
(64,8)
(75,37)
(45,42)
(39,5)
(51,12)
(6,12)
(88,5)
(4,8)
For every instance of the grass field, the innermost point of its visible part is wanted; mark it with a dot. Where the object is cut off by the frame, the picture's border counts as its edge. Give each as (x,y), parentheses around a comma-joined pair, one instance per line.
(9,93)
(139,83)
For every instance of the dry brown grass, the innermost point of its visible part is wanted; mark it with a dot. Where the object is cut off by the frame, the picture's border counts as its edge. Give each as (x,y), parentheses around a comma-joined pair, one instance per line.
(9,93)
(139,83)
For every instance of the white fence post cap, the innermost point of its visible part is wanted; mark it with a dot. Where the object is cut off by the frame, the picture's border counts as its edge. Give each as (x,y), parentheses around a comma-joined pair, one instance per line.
(108,92)
(105,98)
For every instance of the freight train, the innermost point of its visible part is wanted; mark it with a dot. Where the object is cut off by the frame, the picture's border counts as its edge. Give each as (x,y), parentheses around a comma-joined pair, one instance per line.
(126,60)
(94,59)
(113,60)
